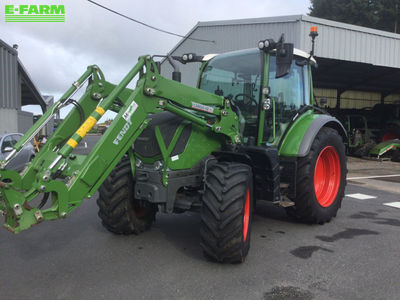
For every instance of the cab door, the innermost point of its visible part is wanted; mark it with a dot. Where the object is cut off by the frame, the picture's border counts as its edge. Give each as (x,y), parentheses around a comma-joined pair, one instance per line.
(288,94)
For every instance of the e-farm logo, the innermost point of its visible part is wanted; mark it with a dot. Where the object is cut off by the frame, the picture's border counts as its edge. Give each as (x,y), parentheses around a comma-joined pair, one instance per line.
(34,13)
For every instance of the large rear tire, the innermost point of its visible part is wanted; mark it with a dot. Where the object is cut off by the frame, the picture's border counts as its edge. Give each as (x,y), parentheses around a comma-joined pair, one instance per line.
(119,211)
(321,179)
(226,213)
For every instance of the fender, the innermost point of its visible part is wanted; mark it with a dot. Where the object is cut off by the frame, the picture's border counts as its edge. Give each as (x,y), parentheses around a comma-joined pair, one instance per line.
(312,131)
(299,138)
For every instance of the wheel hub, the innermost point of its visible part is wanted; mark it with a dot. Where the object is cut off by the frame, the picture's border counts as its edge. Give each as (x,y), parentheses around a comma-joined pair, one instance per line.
(327,176)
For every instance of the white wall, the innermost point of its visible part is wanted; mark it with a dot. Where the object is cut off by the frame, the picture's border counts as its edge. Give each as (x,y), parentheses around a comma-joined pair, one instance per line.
(25,121)
(8,120)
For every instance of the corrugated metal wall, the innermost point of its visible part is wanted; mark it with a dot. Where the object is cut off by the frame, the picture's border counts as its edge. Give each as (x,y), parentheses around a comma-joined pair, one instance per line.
(354,99)
(9,87)
(25,121)
(336,40)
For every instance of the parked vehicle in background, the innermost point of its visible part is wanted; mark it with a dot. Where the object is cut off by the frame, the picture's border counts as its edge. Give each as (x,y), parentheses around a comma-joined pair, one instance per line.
(372,131)
(7,142)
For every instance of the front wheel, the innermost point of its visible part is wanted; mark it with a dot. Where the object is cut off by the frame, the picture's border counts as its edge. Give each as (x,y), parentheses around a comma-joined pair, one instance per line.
(321,179)
(119,211)
(226,213)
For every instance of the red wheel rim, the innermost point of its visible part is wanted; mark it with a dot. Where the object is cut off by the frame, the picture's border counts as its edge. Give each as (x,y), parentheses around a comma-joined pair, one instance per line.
(246,216)
(389,136)
(327,176)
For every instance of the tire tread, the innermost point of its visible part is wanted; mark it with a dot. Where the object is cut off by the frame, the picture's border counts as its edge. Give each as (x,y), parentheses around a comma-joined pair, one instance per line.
(115,203)
(221,217)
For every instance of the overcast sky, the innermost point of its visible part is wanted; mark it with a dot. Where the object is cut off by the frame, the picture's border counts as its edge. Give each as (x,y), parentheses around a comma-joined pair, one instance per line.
(56,54)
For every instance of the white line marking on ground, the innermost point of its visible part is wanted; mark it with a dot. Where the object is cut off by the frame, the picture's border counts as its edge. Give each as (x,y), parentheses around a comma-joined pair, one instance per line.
(393,204)
(360,196)
(85,145)
(372,177)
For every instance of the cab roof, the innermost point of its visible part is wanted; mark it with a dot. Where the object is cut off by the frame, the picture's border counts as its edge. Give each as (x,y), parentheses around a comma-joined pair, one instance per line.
(296,52)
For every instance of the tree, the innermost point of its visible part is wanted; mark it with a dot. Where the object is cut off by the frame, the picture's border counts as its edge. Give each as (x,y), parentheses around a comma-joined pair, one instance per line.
(379,14)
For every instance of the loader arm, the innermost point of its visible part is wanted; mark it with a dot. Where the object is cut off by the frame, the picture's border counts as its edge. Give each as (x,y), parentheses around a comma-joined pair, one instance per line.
(67,178)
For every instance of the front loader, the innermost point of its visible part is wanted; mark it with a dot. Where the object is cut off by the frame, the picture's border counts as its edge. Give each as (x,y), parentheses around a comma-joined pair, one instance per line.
(249,132)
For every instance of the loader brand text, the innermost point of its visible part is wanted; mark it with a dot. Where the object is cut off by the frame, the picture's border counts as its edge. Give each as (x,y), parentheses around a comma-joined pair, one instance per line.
(128,118)
(121,134)
(34,13)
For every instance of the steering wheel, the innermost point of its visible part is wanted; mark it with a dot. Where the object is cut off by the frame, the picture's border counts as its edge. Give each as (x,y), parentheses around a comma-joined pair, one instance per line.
(246,96)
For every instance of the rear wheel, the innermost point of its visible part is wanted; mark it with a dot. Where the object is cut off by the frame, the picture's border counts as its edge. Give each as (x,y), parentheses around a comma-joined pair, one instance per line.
(321,179)
(227,212)
(119,211)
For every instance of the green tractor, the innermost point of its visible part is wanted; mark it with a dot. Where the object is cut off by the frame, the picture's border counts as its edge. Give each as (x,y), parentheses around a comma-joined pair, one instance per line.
(249,132)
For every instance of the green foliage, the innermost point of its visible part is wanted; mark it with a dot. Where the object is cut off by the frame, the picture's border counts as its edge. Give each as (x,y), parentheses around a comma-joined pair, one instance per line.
(379,14)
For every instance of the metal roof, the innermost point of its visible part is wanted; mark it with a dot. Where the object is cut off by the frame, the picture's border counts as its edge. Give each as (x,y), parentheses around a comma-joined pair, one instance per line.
(336,40)
(297,18)
(15,83)
(9,92)
(30,94)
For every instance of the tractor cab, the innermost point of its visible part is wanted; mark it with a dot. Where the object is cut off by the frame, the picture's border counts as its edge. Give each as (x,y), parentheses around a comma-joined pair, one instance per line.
(265,100)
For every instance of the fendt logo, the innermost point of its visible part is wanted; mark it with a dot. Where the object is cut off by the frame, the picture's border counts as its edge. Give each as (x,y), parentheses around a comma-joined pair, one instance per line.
(34,13)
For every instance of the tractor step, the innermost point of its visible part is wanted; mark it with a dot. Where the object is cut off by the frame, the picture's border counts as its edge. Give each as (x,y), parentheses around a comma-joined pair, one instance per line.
(284,203)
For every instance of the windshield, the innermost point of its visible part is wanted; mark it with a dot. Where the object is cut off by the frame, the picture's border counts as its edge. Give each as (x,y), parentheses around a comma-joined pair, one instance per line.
(237,76)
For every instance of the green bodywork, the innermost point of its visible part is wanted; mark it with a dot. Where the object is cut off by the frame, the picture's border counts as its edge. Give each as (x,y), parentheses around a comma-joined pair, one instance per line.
(381,148)
(291,141)
(69,177)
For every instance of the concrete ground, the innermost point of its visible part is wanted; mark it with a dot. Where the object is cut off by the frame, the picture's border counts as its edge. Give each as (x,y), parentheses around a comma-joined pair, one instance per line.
(355,256)
(381,175)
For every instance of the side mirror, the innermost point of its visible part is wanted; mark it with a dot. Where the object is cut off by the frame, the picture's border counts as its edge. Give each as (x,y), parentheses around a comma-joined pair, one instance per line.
(284,57)
(8,149)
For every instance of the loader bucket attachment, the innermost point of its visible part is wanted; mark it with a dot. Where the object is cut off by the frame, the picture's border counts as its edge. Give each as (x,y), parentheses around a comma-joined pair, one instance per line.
(15,202)
(17,217)
(56,172)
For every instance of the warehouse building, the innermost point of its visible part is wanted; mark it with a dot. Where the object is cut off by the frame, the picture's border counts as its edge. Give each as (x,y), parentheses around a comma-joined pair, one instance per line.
(17,90)
(358,67)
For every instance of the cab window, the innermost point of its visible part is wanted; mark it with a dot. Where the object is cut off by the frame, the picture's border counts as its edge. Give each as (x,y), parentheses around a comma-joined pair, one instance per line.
(288,91)
(237,77)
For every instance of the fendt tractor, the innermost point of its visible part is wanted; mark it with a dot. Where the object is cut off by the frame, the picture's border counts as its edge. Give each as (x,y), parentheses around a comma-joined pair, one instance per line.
(249,132)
